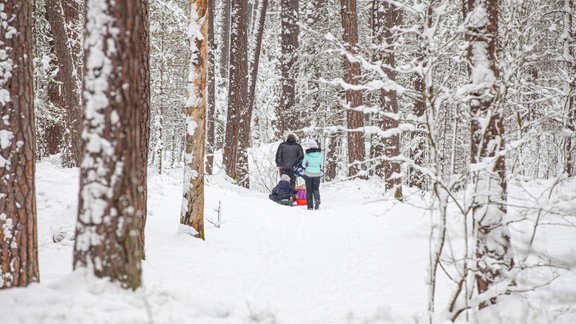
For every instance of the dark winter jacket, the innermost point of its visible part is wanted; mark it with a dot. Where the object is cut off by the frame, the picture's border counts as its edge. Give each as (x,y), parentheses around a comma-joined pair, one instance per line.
(289,153)
(283,190)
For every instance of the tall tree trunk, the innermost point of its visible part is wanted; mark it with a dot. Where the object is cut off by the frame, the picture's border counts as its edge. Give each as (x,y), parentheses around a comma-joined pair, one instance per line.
(225,32)
(70,91)
(332,156)
(246,116)
(143,109)
(424,88)
(238,87)
(211,118)
(386,17)
(18,240)
(110,212)
(355,119)
(418,144)
(287,118)
(488,182)
(193,204)
(570,29)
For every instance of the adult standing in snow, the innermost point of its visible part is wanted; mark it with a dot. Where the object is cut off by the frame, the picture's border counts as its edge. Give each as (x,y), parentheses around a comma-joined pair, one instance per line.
(312,163)
(288,154)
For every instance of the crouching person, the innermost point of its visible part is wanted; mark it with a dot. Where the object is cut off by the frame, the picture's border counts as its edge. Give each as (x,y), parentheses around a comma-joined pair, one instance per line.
(283,192)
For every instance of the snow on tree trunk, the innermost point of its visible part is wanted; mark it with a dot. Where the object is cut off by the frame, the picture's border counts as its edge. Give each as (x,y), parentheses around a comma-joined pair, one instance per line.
(418,144)
(355,119)
(211,118)
(287,117)
(237,86)
(109,222)
(387,16)
(18,241)
(488,172)
(193,203)
(69,77)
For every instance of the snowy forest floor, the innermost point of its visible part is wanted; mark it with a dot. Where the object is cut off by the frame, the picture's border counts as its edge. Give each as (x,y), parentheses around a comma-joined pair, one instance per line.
(361,258)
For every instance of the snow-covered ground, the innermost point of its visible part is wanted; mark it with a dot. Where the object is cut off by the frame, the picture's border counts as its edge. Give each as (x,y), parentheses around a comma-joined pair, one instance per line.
(361,258)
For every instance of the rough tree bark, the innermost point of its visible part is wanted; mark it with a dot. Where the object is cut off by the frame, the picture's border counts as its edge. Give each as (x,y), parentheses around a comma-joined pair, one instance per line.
(488,178)
(69,78)
(143,109)
(386,17)
(246,116)
(237,85)
(211,100)
(287,118)
(18,240)
(193,202)
(355,119)
(110,212)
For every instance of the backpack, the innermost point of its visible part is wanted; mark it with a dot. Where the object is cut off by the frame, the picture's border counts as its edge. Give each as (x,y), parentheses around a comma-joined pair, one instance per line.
(298,169)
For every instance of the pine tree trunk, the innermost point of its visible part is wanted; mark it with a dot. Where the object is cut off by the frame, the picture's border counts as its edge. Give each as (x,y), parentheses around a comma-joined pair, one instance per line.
(18,240)
(110,213)
(332,156)
(570,29)
(211,118)
(386,17)
(287,118)
(193,205)
(143,109)
(70,91)
(488,182)
(238,87)
(417,149)
(246,117)
(225,32)
(355,119)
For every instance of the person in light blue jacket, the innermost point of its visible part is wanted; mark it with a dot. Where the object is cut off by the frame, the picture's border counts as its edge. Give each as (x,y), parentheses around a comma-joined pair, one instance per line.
(312,164)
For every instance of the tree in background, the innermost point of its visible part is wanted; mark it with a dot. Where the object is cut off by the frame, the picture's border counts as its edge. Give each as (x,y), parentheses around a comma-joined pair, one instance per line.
(211,100)
(18,240)
(355,119)
(386,17)
(193,204)
(110,212)
(287,119)
(237,86)
(67,76)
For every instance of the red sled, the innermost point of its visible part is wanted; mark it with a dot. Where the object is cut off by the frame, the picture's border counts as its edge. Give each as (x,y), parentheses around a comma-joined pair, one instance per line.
(301,197)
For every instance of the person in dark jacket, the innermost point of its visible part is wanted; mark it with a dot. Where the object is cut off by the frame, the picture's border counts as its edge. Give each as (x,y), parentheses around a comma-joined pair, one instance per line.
(288,154)
(283,190)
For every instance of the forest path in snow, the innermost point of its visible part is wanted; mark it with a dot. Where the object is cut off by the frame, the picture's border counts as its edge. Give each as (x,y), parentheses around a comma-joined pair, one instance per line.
(337,264)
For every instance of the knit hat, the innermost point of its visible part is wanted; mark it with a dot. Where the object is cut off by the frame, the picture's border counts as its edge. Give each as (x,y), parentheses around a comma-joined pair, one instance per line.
(285,177)
(312,144)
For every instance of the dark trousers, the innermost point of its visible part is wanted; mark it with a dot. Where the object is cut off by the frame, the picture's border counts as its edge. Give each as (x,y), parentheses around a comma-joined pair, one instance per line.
(290,173)
(312,191)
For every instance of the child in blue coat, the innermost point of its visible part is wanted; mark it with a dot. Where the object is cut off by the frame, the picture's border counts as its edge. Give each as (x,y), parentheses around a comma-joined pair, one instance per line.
(312,163)
(283,190)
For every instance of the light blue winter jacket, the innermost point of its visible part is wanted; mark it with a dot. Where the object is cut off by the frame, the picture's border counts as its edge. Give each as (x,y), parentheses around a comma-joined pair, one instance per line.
(312,163)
